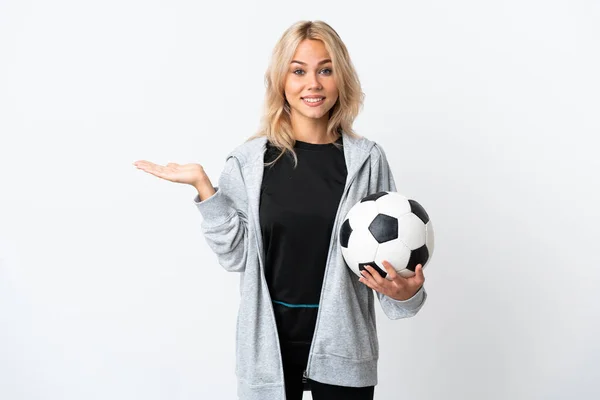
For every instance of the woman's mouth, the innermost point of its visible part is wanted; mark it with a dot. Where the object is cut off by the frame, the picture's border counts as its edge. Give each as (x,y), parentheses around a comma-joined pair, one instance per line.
(313,101)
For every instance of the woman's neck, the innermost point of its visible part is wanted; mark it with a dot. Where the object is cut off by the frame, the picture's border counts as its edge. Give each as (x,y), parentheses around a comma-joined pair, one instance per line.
(311,130)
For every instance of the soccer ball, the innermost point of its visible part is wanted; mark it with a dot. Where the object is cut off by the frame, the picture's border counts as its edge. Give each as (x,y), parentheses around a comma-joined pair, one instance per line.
(387,226)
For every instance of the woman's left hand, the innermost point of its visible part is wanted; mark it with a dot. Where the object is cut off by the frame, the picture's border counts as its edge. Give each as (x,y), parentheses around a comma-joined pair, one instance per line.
(397,287)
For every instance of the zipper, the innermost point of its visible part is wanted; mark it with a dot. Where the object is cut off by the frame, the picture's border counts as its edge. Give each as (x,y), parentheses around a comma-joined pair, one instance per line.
(331,244)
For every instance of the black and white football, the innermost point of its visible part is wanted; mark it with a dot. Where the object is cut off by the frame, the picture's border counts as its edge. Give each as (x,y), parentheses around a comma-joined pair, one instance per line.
(387,226)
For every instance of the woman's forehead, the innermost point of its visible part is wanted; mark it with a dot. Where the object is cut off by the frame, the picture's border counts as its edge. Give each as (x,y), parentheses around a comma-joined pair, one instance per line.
(311,51)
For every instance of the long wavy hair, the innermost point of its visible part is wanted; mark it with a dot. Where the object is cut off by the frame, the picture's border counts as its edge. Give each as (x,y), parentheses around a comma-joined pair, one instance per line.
(276,122)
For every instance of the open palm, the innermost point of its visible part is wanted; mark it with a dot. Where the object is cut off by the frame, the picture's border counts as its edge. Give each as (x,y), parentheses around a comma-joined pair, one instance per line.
(191,174)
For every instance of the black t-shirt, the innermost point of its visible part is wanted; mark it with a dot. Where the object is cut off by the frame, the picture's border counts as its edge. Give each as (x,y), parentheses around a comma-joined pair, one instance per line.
(297,212)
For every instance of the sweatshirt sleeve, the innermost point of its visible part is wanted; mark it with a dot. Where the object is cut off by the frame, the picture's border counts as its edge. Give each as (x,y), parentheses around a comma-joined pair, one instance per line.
(225,218)
(383,180)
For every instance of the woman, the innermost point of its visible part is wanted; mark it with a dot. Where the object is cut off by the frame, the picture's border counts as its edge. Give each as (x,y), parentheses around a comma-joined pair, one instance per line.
(304,320)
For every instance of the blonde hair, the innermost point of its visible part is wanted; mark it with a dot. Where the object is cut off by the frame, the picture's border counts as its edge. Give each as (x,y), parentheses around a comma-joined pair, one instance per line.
(275,122)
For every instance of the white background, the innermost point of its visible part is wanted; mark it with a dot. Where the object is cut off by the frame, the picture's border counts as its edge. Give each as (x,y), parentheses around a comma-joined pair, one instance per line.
(488,112)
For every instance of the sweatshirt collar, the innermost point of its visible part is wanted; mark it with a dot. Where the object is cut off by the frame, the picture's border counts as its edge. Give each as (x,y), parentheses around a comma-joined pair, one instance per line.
(356,151)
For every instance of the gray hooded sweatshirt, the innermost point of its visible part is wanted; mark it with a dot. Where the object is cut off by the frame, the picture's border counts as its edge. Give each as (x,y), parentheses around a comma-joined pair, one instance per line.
(345,348)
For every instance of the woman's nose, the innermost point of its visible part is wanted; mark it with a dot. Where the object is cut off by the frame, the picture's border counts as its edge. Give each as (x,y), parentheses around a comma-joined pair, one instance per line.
(314,82)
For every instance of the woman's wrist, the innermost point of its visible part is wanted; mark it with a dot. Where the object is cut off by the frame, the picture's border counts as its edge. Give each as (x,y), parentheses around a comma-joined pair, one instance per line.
(205,189)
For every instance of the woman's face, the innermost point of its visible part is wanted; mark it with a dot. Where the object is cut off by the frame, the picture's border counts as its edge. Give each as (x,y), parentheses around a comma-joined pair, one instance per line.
(310,87)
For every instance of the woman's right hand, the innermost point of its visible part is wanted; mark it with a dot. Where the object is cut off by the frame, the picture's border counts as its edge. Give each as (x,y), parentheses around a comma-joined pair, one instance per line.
(191,174)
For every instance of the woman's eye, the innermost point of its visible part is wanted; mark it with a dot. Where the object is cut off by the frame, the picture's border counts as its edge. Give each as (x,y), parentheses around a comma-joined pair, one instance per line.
(325,71)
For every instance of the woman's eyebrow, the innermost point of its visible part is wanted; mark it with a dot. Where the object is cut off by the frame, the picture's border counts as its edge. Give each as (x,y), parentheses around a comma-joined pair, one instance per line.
(303,63)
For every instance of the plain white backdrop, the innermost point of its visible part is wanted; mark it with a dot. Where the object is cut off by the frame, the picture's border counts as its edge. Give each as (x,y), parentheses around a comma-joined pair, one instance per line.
(488,112)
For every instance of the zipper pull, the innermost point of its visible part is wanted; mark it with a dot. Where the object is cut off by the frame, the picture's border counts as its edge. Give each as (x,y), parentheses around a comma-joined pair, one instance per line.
(304,377)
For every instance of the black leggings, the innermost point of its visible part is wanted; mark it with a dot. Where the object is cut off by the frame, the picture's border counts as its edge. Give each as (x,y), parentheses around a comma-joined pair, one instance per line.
(294,363)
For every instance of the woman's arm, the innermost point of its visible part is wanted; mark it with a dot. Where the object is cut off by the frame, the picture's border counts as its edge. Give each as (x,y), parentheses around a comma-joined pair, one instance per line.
(225,217)
(383,180)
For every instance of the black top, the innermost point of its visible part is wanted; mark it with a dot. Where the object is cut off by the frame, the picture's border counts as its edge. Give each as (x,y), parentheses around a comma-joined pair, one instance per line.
(297,212)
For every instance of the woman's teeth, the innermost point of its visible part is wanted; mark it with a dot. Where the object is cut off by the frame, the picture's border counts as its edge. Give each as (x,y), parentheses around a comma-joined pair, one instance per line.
(314,100)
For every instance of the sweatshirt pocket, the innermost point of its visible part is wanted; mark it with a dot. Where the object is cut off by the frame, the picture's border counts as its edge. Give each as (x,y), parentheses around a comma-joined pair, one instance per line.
(346,327)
